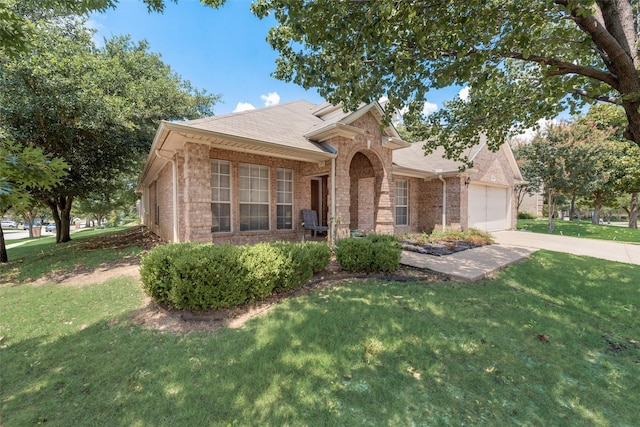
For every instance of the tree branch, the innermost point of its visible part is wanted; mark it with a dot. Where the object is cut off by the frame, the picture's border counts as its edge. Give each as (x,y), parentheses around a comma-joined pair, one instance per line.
(594,25)
(564,68)
(603,98)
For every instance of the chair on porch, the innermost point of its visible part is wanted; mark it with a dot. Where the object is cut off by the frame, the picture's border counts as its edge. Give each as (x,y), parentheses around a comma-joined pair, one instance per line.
(310,222)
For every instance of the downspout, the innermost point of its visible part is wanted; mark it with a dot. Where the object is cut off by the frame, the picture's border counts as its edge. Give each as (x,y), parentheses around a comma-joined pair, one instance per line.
(444,203)
(174,195)
(333,202)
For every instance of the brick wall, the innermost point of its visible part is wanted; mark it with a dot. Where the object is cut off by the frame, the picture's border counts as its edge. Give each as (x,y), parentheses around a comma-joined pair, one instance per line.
(367,145)
(164,203)
(431,201)
(197,193)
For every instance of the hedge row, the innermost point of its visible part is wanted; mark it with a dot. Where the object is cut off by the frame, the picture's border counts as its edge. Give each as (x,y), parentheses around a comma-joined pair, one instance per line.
(372,253)
(199,276)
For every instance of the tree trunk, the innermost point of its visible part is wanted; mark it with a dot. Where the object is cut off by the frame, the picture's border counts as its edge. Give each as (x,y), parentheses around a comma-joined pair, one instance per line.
(595,219)
(4,256)
(572,207)
(633,212)
(61,212)
(552,207)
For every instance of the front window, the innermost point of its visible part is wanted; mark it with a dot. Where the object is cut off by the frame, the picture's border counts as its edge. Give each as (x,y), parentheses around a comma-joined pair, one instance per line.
(254,197)
(220,196)
(402,202)
(284,188)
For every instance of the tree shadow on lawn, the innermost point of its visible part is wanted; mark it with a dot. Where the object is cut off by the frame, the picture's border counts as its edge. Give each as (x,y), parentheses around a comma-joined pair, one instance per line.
(380,353)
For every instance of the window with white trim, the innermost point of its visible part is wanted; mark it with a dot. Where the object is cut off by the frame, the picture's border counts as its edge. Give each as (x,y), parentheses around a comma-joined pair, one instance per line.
(220,196)
(254,197)
(284,202)
(402,202)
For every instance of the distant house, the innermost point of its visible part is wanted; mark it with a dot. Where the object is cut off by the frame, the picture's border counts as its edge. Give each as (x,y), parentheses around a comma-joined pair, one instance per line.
(245,177)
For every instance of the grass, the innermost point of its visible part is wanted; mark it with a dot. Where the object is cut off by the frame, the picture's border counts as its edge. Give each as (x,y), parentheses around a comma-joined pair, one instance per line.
(41,256)
(550,341)
(583,229)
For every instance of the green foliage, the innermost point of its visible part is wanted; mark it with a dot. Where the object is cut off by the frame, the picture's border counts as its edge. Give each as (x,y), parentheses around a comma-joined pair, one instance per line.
(523,61)
(306,259)
(472,236)
(95,108)
(199,277)
(526,215)
(371,253)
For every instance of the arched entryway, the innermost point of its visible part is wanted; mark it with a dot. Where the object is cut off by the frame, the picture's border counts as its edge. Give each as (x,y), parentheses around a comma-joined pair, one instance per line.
(365,174)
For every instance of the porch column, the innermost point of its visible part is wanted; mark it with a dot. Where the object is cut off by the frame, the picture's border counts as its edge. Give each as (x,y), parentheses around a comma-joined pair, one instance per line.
(385,222)
(197,193)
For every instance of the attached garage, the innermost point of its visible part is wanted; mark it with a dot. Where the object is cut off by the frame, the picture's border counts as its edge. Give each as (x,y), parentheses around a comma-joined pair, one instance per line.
(489,207)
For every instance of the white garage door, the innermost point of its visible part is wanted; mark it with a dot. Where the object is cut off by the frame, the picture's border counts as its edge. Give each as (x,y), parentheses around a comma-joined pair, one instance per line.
(488,208)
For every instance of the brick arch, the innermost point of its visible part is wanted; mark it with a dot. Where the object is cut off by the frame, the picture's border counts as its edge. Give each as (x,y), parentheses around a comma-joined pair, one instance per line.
(366,175)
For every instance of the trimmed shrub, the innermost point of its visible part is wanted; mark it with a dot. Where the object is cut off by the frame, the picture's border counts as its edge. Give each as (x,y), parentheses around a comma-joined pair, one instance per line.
(526,215)
(198,277)
(306,258)
(372,253)
(266,266)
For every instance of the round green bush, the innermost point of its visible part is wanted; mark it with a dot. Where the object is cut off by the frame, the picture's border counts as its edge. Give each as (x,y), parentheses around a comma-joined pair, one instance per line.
(198,276)
(372,253)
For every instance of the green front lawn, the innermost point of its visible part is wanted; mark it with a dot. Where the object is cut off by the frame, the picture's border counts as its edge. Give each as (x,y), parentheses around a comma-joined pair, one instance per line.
(582,229)
(550,341)
(87,250)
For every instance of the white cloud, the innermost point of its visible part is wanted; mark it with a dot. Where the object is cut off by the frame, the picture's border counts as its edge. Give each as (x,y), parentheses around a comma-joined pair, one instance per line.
(464,93)
(243,106)
(97,27)
(541,125)
(272,98)
(429,107)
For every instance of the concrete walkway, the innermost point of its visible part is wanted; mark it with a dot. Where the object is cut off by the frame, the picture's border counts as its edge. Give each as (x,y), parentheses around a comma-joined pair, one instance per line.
(470,265)
(604,249)
(513,246)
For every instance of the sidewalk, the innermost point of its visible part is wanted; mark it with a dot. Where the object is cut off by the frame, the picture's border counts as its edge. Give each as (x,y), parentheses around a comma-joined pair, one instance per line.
(470,265)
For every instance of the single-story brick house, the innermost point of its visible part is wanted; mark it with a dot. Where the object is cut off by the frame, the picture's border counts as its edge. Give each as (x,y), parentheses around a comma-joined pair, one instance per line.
(245,177)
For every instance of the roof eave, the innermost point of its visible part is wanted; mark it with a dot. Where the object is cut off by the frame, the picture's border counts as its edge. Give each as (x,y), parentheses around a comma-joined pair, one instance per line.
(394,143)
(333,130)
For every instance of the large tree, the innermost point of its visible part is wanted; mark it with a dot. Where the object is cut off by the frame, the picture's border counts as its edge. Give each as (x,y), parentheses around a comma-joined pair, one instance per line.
(97,109)
(23,169)
(625,173)
(523,60)
(571,160)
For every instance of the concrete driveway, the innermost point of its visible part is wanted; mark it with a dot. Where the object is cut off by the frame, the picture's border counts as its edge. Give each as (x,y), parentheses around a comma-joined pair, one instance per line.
(604,249)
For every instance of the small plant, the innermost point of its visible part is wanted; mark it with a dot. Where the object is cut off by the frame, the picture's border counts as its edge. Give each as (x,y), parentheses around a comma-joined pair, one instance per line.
(526,215)
(373,349)
(472,236)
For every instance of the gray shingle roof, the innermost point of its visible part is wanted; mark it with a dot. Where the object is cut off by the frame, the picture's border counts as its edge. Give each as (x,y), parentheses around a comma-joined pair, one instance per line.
(283,124)
(413,158)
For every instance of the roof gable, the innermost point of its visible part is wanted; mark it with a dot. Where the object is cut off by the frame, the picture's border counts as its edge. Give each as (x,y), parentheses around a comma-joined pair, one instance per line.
(337,122)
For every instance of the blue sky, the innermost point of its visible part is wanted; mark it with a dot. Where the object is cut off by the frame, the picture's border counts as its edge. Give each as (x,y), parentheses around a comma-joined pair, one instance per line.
(223,51)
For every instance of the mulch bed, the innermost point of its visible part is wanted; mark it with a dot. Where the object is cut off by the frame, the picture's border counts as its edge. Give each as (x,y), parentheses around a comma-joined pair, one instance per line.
(437,248)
